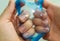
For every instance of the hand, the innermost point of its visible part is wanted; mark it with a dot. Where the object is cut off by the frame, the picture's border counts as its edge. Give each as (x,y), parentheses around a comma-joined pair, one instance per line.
(13,27)
(53,18)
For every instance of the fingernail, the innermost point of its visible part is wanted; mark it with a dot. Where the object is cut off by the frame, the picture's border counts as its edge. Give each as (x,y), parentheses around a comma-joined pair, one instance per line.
(29,33)
(24,16)
(45,22)
(43,15)
(47,29)
(37,14)
(40,14)
(22,29)
(41,29)
(26,35)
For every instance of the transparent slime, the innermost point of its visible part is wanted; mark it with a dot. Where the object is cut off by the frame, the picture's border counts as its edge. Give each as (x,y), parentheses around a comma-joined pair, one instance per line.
(32,6)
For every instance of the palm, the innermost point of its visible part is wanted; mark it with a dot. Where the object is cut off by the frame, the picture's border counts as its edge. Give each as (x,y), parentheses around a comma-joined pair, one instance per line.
(54,18)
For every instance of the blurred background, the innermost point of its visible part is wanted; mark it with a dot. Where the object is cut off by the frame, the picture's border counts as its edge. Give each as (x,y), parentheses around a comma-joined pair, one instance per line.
(4,4)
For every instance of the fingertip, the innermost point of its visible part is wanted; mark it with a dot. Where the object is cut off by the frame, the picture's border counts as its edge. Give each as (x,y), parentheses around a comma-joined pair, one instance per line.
(37,21)
(46,3)
(29,33)
(26,26)
(40,14)
(41,29)
(9,10)
(37,13)
(24,16)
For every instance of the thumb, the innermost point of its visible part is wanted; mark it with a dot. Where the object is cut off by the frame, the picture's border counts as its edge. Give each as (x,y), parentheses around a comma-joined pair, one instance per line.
(47,4)
(50,8)
(9,10)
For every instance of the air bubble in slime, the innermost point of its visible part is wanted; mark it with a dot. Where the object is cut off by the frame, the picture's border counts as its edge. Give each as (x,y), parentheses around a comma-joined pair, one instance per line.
(33,6)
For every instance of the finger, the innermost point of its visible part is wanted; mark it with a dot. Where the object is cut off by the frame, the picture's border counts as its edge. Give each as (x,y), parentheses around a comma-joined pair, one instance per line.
(37,21)
(40,14)
(16,24)
(45,22)
(47,3)
(26,26)
(41,29)
(24,16)
(9,10)
(13,16)
(29,33)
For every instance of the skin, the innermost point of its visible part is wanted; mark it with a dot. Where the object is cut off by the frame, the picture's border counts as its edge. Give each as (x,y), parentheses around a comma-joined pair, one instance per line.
(53,12)
(13,26)
(11,31)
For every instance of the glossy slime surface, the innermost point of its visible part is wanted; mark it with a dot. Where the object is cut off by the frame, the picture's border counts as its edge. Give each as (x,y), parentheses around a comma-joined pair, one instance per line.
(18,7)
(39,3)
